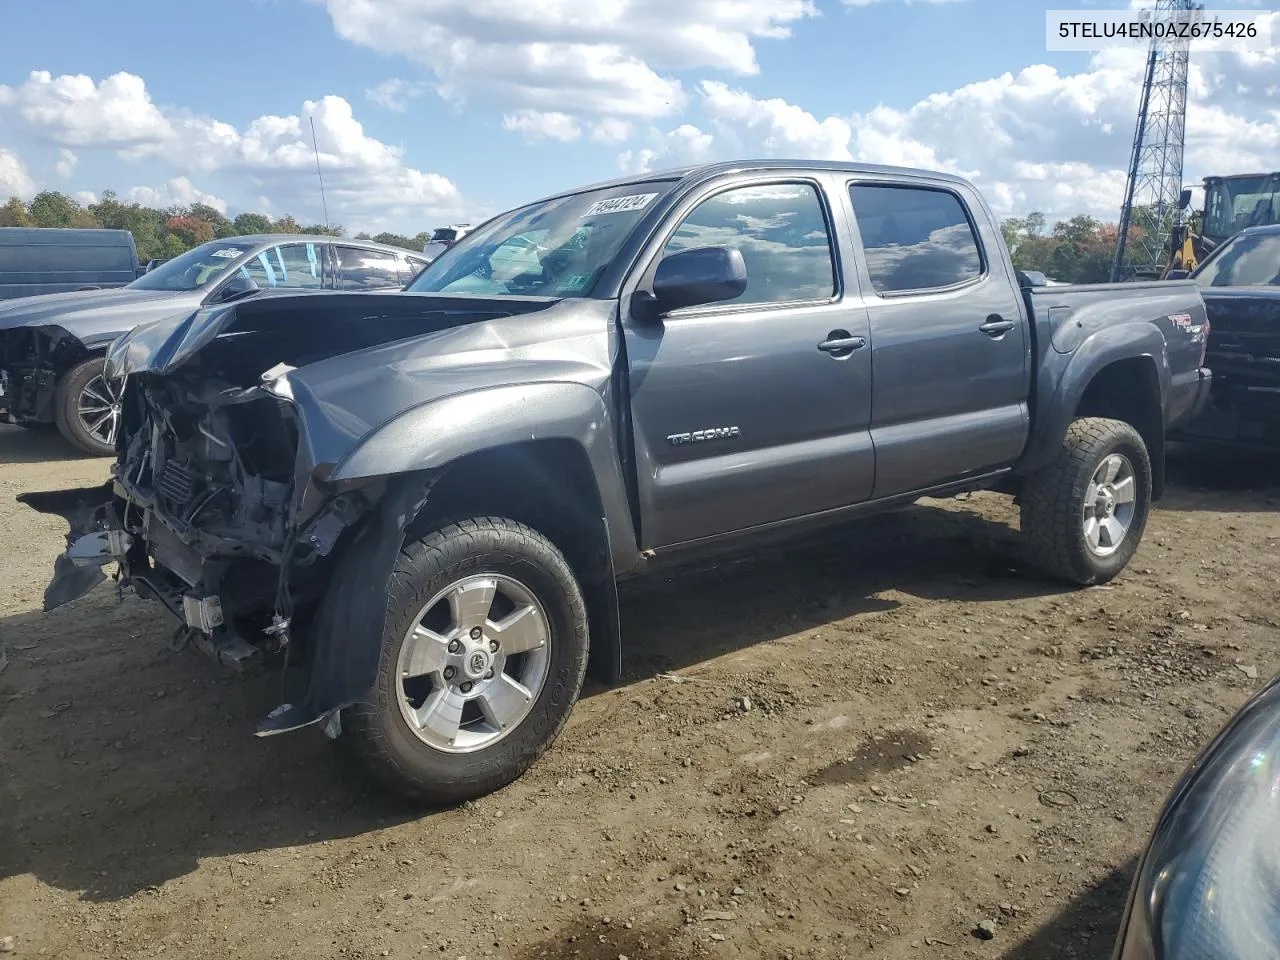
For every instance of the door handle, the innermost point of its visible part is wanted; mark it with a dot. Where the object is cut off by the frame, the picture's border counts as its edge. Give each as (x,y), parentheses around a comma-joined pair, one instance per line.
(997,326)
(840,344)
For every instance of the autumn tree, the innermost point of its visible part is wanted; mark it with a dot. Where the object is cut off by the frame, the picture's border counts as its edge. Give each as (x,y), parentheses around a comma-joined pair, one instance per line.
(191,230)
(222,227)
(14,214)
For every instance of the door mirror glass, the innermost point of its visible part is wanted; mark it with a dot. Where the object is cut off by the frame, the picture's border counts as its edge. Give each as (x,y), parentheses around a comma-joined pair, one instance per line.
(1184,199)
(689,278)
(238,286)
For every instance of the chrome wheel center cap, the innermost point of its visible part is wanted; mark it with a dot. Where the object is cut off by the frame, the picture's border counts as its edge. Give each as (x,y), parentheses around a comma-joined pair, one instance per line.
(477,663)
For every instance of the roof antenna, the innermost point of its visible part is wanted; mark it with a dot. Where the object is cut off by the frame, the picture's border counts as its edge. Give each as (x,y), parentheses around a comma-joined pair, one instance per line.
(324,205)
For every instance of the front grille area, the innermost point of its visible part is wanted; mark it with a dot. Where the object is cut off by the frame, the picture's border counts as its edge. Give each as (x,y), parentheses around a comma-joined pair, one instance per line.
(177,485)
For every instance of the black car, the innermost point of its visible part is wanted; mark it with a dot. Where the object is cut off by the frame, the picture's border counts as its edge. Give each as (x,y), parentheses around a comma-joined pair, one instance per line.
(1240,282)
(52,346)
(1208,883)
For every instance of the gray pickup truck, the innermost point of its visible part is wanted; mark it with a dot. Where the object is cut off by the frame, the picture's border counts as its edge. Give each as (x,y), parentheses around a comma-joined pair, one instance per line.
(423,501)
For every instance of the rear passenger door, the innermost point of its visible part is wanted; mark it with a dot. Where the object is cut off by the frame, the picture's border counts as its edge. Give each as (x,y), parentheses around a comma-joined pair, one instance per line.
(950,349)
(754,410)
(364,270)
(292,266)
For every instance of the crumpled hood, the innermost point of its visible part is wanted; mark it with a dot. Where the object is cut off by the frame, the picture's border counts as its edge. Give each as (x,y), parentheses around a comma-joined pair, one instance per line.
(350,363)
(95,316)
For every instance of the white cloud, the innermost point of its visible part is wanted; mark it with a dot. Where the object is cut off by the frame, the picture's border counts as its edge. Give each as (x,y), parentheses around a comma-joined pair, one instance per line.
(1036,139)
(178,192)
(73,111)
(536,125)
(84,197)
(773,127)
(867,3)
(395,94)
(580,57)
(14,179)
(367,182)
(67,165)
(611,130)
(686,144)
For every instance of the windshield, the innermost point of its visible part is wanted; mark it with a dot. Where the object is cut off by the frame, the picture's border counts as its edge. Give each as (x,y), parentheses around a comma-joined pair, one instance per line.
(1232,205)
(196,268)
(557,248)
(1247,260)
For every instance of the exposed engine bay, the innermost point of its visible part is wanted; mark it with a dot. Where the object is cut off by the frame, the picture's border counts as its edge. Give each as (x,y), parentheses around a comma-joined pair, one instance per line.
(203,512)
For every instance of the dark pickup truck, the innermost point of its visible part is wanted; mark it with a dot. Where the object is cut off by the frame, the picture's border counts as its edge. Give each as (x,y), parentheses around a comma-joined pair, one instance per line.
(424,501)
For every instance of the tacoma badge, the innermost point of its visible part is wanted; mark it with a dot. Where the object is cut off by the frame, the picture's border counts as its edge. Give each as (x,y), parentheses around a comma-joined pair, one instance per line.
(697,436)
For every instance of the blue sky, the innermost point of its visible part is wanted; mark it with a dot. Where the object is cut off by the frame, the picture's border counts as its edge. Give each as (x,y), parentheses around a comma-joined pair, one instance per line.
(493,102)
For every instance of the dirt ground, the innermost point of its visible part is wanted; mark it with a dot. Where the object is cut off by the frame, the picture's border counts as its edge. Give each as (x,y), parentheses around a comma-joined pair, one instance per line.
(859,746)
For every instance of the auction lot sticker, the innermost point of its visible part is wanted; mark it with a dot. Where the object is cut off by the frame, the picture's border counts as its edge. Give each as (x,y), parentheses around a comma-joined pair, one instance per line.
(635,201)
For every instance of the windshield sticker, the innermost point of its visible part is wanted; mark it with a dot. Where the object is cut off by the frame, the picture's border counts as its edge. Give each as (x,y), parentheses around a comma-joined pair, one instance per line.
(575,281)
(229,253)
(637,201)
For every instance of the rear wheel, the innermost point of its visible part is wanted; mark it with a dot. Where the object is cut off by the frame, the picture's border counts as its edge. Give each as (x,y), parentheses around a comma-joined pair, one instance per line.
(87,408)
(1083,515)
(483,656)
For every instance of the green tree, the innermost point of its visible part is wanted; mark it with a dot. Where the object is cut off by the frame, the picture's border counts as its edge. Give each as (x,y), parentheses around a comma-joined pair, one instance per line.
(286,224)
(320,230)
(53,209)
(14,214)
(248,223)
(396,240)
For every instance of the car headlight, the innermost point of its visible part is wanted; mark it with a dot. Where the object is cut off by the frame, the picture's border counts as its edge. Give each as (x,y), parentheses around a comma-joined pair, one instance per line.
(1208,885)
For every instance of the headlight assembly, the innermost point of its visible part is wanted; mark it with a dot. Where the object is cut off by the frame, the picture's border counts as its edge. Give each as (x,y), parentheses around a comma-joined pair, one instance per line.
(1208,885)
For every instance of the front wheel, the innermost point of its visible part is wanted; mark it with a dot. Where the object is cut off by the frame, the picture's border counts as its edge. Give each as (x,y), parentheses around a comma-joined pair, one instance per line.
(1083,515)
(483,656)
(87,408)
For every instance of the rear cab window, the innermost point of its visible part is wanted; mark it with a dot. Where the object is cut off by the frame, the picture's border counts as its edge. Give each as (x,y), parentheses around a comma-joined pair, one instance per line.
(362,269)
(915,239)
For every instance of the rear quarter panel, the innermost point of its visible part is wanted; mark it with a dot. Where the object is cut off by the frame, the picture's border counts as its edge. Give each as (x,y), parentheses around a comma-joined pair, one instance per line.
(1082,329)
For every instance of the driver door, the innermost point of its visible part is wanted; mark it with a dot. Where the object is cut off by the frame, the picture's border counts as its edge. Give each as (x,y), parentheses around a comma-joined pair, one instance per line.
(746,412)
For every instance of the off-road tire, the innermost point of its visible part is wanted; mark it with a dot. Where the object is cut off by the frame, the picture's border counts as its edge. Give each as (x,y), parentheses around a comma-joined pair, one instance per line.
(1053,502)
(374,732)
(66,398)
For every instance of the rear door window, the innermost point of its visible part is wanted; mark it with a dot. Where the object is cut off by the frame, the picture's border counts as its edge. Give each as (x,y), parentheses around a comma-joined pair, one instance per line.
(360,269)
(411,266)
(296,266)
(915,238)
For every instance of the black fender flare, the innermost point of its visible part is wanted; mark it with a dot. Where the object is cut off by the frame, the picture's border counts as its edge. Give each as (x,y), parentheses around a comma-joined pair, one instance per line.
(1063,383)
(413,449)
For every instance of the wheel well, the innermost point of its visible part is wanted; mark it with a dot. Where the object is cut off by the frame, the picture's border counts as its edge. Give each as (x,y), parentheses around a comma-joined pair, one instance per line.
(1129,390)
(547,485)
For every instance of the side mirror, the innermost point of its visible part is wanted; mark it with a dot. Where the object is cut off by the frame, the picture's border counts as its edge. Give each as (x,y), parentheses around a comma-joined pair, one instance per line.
(1184,199)
(1177,275)
(238,286)
(689,278)
(1033,278)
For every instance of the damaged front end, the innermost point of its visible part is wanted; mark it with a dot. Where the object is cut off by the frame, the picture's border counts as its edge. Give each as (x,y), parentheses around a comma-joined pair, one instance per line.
(266,511)
(219,507)
(204,515)
(31,359)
